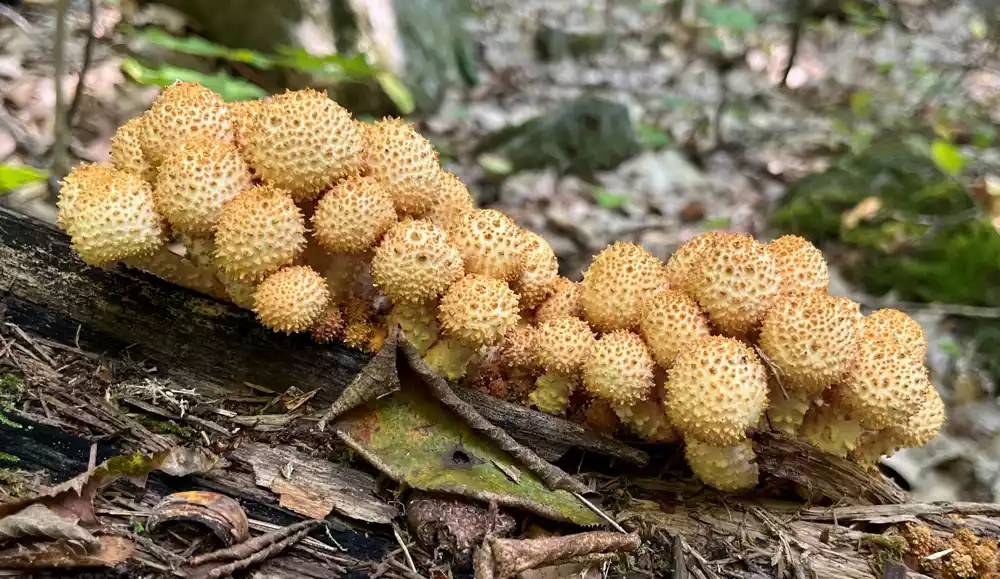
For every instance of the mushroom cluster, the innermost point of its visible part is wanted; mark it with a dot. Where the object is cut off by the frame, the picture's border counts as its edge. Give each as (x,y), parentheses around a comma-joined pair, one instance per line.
(323,224)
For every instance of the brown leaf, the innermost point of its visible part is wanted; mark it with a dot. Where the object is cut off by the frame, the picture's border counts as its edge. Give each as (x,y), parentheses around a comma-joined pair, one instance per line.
(37,521)
(111,551)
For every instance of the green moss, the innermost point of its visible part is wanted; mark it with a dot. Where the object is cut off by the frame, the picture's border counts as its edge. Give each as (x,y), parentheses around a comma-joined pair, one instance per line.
(9,457)
(163,426)
(10,384)
(15,482)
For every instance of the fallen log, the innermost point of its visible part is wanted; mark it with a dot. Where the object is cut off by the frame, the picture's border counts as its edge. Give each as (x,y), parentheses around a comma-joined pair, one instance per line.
(109,315)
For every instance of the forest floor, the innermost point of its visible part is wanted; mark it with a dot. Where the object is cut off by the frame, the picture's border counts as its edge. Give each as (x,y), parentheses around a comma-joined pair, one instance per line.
(723,135)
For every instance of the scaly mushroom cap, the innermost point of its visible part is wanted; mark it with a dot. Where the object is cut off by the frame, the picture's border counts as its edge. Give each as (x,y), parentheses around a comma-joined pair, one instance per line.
(619,368)
(727,468)
(684,262)
(415,262)
(453,199)
(541,268)
(478,310)
(925,425)
(896,325)
(811,337)
(551,393)
(302,141)
(736,282)
(716,390)
(406,164)
(330,325)
(490,242)
(885,385)
(182,111)
(617,284)
(241,114)
(113,218)
(829,428)
(562,344)
(83,177)
(800,264)
(672,321)
(291,299)
(196,180)
(518,347)
(648,418)
(353,215)
(126,150)
(599,415)
(260,231)
(565,300)
(418,321)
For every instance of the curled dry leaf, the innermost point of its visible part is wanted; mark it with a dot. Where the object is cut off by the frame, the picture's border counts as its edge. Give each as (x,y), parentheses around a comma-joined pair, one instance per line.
(110,552)
(37,521)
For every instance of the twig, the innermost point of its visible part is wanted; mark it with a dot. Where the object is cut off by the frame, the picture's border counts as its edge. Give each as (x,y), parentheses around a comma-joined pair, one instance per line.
(512,556)
(88,55)
(18,20)
(793,45)
(599,512)
(402,545)
(59,148)
(255,545)
(267,552)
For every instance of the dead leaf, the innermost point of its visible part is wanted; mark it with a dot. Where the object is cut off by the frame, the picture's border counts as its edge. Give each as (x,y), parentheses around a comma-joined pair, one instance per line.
(414,440)
(37,521)
(112,551)
(74,499)
(863,211)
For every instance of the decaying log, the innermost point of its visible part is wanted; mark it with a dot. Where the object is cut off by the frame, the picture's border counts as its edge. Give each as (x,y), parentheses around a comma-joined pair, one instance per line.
(206,343)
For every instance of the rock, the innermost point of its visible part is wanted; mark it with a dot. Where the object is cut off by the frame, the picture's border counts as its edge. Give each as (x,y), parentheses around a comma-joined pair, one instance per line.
(556,44)
(422,41)
(584,136)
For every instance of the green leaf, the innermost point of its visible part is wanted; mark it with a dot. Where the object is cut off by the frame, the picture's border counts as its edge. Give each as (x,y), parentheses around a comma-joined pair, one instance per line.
(676,102)
(9,457)
(731,18)
(985,137)
(495,164)
(717,223)
(16,176)
(861,103)
(947,157)
(652,137)
(420,443)
(397,91)
(199,46)
(978,27)
(607,199)
(715,43)
(231,88)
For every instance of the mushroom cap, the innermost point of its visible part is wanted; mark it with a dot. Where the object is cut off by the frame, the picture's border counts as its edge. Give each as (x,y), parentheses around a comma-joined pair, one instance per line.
(406,164)
(518,347)
(894,324)
(126,150)
(541,268)
(800,264)
(811,337)
(241,114)
(113,218)
(671,321)
(260,231)
(240,292)
(925,425)
(478,310)
(196,180)
(183,110)
(453,199)
(736,282)
(418,321)
(415,262)
(600,415)
(619,368)
(829,428)
(616,285)
(562,344)
(491,243)
(648,418)
(565,300)
(684,262)
(727,468)
(302,141)
(353,215)
(292,299)
(329,326)
(83,177)
(716,390)
(551,393)
(884,385)
(786,408)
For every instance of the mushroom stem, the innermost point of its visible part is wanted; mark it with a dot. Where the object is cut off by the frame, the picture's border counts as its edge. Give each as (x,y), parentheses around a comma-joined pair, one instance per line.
(175,269)
(551,394)
(449,358)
